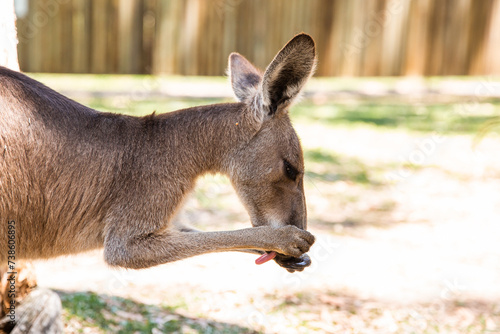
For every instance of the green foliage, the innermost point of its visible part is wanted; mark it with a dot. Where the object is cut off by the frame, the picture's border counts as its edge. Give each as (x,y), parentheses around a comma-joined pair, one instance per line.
(445,118)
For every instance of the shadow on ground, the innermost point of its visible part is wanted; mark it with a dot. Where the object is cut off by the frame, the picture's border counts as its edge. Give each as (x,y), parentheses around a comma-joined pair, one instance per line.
(110,314)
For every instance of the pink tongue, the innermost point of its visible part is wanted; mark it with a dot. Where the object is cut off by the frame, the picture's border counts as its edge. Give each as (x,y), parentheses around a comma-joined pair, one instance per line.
(265,257)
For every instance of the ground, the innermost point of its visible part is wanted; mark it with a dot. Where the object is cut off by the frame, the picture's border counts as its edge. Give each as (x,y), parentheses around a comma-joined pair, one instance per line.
(402,190)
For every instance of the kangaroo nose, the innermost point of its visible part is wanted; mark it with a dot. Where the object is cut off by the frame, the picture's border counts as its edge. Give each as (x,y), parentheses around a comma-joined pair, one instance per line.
(299,215)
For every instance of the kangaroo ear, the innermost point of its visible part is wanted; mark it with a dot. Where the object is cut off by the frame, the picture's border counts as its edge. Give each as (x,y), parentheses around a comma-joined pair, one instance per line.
(245,78)
(288,73)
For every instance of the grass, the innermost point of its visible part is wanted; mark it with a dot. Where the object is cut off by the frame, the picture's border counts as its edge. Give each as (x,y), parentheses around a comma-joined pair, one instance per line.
(144,107)
(445,118)
(327,166)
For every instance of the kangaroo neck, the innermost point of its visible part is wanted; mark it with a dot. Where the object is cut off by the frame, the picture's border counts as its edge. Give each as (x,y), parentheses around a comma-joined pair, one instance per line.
(202,139)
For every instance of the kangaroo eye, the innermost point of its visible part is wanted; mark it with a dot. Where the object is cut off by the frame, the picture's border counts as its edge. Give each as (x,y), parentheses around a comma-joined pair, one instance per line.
(290,171)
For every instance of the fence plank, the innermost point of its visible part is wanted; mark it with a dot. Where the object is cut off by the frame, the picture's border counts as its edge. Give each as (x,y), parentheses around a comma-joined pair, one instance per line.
(493,50)
(81,37)
(98,40)
(129,34)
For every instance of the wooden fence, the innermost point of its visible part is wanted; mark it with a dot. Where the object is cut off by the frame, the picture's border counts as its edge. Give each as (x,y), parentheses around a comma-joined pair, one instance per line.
(195,37)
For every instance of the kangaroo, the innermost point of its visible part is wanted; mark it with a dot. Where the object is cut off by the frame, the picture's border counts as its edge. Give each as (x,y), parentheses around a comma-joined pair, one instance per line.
(73,179)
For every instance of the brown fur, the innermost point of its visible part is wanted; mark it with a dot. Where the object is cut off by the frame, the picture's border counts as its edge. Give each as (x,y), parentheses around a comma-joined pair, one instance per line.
(75,179)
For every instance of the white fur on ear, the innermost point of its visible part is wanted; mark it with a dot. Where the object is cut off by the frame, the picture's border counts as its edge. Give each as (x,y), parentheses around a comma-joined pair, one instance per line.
(287,74)
(245,78)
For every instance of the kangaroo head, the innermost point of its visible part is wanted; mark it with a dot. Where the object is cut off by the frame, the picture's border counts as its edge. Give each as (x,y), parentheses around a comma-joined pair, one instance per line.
(268,171)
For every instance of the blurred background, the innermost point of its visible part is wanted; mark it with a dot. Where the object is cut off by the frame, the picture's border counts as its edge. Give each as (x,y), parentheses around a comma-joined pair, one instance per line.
(194,37)
(399,128)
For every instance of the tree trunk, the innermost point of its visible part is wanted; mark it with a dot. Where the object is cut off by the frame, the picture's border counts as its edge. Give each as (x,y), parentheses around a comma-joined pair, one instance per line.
(8,35)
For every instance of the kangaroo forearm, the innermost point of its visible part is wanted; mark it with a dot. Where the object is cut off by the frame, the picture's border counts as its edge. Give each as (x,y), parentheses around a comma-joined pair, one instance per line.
(172,246)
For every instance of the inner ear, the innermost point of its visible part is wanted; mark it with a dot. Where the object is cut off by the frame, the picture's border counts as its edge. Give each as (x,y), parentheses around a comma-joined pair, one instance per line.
(245,78)
(288,72)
